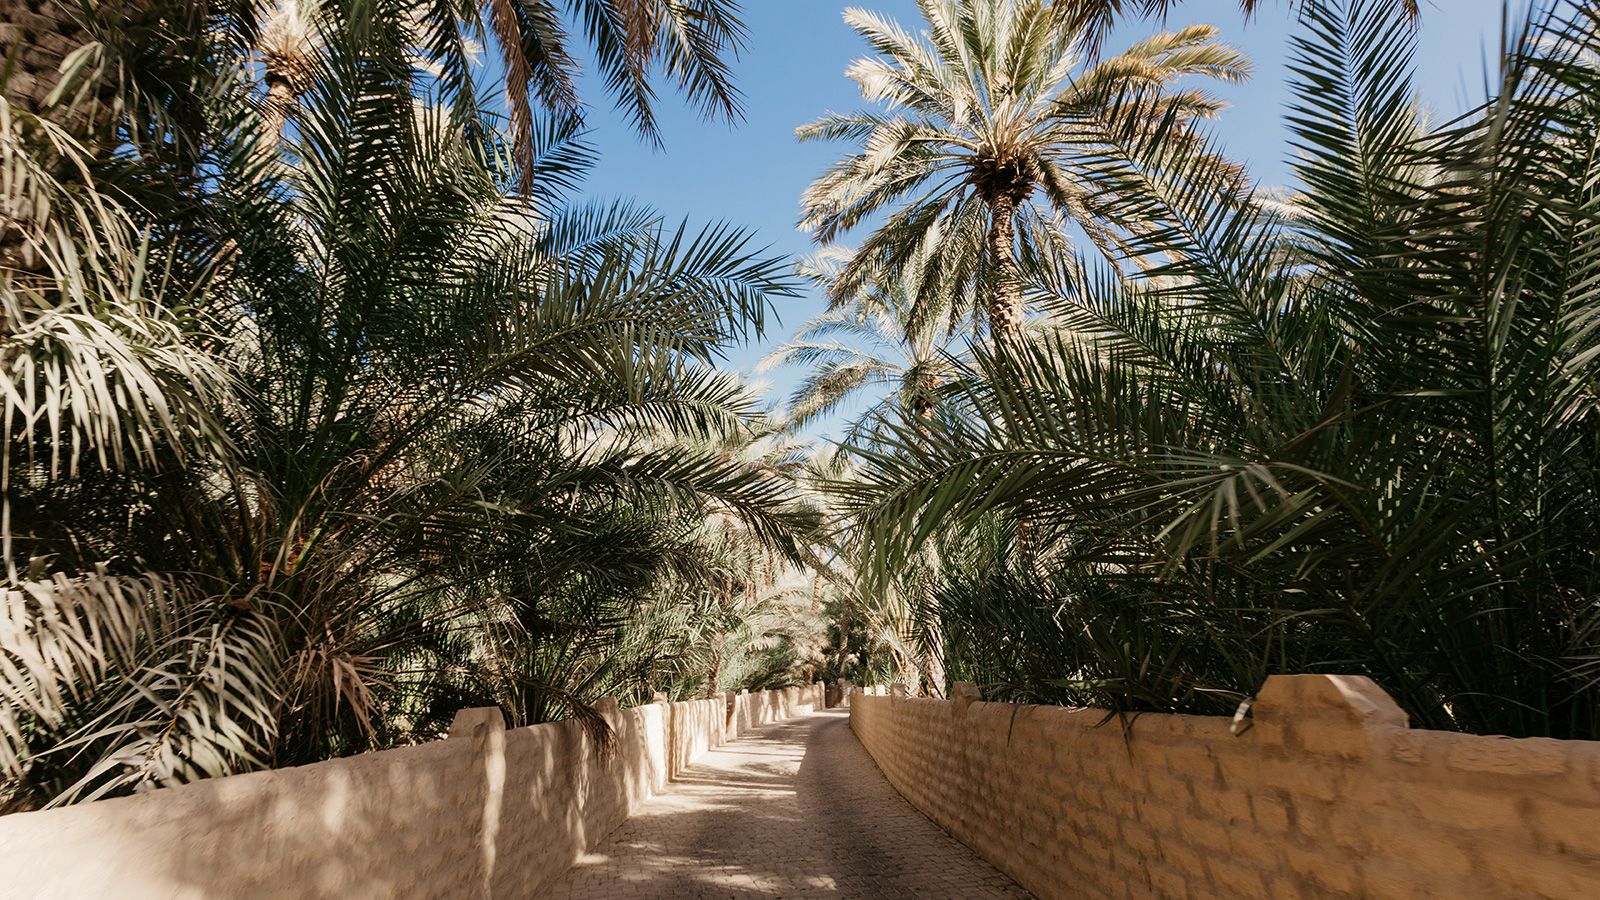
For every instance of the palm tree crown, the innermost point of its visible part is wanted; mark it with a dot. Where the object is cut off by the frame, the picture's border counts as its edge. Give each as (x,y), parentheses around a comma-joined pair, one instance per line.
(632,44)
(690,42)
(987,124)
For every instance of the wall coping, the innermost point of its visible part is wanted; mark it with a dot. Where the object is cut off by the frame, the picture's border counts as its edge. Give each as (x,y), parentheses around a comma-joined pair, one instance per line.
(1321,702)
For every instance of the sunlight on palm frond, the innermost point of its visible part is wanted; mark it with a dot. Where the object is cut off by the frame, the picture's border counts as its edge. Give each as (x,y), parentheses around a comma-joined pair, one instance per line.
(333,408)
(979,153)
(1289,443)
(365,439)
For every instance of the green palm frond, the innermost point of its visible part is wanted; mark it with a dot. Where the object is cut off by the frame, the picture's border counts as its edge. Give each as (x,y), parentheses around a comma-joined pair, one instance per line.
(1349,436)
(1096,17)
(308,452)
(982,129)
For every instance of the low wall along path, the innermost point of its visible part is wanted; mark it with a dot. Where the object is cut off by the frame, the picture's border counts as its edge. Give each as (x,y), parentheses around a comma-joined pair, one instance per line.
(793,809)
(489,812)
(1327,794)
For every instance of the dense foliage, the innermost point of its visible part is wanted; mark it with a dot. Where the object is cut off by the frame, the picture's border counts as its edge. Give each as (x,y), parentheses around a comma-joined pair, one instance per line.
(1351,432)
(332,408)
(319,431)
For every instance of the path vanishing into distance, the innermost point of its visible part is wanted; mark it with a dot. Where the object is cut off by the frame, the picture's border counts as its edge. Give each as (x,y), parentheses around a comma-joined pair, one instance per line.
(793,809)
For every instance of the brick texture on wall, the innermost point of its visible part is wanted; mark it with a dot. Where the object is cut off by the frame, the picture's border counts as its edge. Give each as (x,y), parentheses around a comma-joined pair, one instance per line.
(1327,793)
(488,812)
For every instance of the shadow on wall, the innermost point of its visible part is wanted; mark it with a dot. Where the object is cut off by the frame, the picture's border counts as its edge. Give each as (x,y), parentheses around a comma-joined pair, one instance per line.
(485,812)
(257,834)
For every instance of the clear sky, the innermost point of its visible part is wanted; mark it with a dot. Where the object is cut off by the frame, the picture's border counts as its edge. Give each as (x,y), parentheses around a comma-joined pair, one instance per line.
(752,174)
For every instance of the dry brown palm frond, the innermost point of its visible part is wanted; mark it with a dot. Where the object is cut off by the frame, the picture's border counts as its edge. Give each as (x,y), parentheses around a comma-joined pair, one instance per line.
(519,76)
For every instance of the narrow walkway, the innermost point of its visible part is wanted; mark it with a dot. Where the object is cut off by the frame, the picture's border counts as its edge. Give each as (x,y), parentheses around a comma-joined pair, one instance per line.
(794,809)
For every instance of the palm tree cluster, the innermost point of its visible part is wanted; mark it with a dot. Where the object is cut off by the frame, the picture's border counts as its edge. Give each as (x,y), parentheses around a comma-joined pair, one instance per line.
(331,412)
(332,407)
(1353,429)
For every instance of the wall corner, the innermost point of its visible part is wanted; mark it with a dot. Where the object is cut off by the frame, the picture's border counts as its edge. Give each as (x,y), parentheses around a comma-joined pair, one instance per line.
(962,695)
(1338,715)
(467,722)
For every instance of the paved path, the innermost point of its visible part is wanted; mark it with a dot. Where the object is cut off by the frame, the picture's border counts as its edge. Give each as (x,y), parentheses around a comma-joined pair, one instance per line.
(794,809)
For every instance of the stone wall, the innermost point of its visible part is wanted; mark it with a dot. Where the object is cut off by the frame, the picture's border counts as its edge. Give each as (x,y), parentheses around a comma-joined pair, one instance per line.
(487,812)
(1326,793)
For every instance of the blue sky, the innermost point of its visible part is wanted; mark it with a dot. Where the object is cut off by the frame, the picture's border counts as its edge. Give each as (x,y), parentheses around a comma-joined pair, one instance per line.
(752,174)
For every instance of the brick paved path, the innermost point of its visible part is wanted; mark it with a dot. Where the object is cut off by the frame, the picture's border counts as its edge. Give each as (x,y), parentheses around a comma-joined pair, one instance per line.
(794,809)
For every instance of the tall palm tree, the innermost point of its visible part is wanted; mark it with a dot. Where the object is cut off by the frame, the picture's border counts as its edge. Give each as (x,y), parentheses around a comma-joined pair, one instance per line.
(632,43)
(878,342)
(287,44)
(989,119)
(1357,438)
(692,42)
(304,457)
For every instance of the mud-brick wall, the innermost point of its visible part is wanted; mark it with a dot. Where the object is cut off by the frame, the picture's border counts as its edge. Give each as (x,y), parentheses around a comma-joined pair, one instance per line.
(1327,793)
(746,711)
(488,812)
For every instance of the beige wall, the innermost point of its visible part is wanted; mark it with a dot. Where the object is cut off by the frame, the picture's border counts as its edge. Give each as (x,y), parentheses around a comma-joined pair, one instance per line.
(751,710)
(488,812)
(1328,794)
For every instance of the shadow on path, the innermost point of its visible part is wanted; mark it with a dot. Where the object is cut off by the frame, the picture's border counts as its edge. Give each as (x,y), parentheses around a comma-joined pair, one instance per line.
(793,809)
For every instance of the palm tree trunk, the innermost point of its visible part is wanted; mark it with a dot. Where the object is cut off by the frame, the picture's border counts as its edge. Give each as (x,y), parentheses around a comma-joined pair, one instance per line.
(34,40)
(1005,303)
(932,660)
(281,98)
(933,656)
(844,635)
(910,672)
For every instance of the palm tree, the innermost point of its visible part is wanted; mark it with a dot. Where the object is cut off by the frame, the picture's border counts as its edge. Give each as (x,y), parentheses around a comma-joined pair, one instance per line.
(1356,438)
(896,636)
(756,631)
(875,342)
(302,458)
(287,44)
(691,41)
(632,43)
(988,126)
(870,342)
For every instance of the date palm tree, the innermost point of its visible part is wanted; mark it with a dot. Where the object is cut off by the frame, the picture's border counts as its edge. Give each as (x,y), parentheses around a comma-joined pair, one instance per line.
(691,42)
(1358,438)
(879,345)
(633,44)
(302,458)
(978,152)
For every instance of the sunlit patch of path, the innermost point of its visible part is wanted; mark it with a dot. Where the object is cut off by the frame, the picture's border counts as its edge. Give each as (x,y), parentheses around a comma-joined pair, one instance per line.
(794,809)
